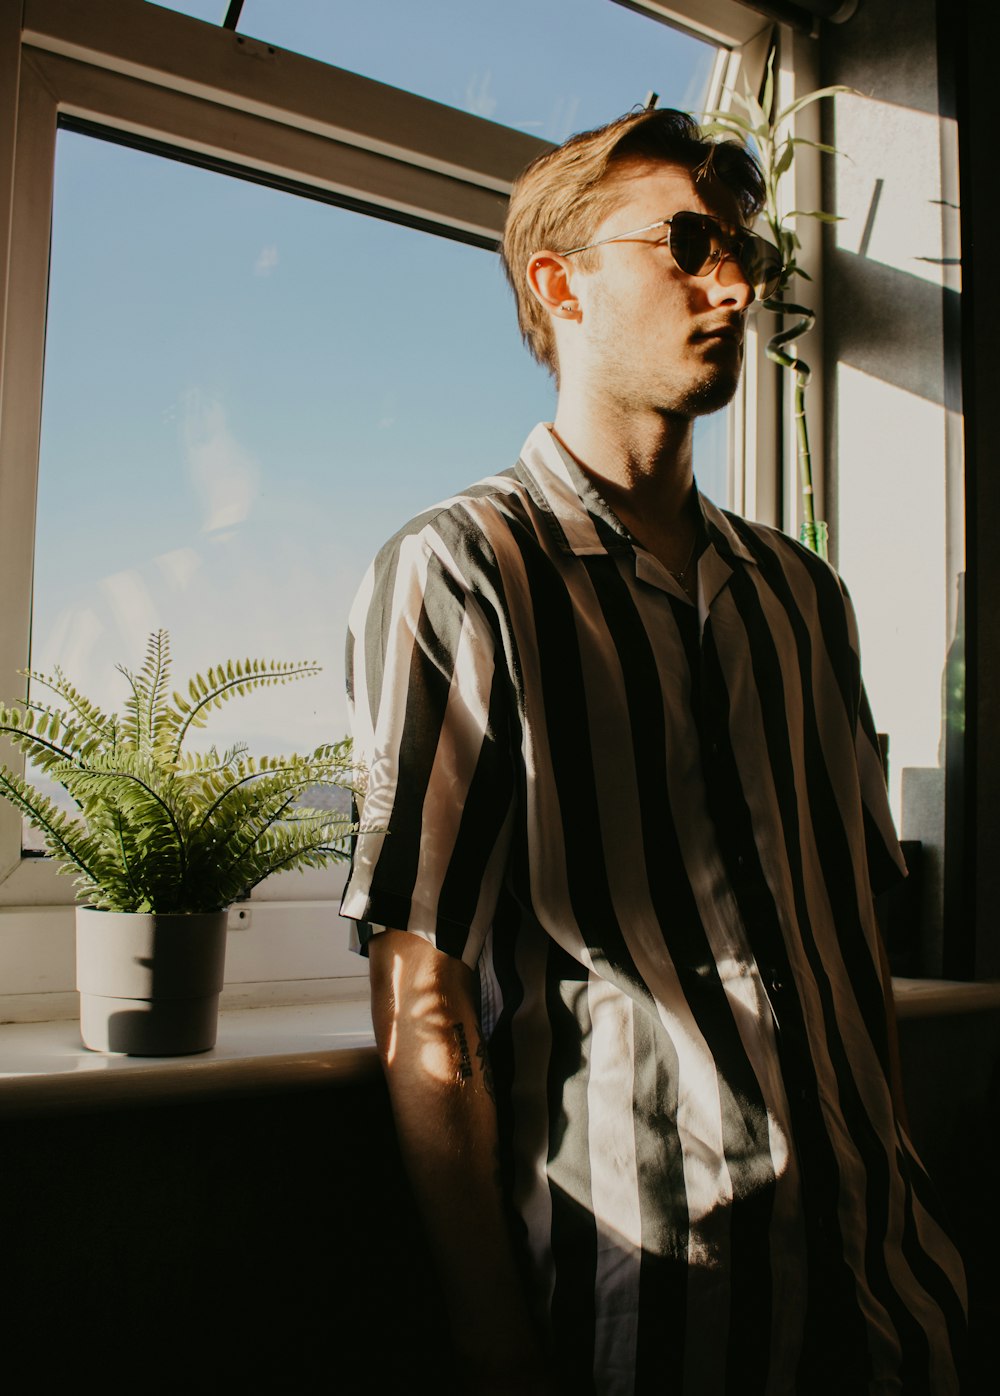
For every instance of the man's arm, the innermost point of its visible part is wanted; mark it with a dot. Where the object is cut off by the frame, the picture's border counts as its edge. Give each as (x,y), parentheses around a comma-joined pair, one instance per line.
(427,1028)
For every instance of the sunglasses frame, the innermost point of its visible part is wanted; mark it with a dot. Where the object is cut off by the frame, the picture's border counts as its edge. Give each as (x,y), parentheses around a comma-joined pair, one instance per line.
(735,237)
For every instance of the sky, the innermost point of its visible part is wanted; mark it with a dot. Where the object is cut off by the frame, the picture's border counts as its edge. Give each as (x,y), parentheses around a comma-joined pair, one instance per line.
(247,392)
(549,67)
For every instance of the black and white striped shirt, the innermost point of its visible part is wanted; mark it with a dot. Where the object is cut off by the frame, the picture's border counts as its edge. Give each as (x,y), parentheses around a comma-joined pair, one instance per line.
(655,828)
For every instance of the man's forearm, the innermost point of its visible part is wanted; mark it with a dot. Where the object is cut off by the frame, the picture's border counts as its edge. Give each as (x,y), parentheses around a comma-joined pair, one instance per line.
(437,1068)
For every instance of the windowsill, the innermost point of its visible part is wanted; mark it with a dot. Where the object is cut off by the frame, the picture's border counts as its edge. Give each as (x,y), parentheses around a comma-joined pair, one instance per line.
(44,1068)
(941,998)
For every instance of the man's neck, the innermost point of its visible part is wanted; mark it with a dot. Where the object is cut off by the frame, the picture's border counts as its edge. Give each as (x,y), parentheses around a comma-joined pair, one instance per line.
(643,468)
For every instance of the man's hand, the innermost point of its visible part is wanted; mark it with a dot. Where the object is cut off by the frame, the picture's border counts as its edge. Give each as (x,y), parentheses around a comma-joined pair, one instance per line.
(426,1021)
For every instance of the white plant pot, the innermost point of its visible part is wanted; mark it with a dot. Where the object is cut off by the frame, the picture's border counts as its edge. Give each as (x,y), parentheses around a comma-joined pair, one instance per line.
(149,983)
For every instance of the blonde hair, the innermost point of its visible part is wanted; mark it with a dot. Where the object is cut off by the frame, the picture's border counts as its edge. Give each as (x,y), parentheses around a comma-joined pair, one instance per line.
(564,194)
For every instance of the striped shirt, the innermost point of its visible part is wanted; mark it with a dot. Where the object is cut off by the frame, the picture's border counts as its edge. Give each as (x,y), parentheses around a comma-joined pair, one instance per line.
(654,828)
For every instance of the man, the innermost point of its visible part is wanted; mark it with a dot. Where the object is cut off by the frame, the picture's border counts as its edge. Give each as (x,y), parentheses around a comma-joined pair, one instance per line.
(627,817)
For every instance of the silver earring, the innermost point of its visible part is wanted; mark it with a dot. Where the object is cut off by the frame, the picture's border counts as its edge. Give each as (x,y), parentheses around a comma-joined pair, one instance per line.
(568,305)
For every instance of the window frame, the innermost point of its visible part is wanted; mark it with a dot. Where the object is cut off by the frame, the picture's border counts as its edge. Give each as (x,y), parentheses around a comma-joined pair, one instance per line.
(151,77)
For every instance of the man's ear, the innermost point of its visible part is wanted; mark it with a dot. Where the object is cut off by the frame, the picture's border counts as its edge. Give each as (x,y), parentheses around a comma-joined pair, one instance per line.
(549,278)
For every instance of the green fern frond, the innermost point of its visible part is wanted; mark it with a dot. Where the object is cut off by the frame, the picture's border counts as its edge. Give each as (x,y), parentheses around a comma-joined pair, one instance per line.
(210,762)
(159,828)
(293,850)
(44,752)
(88,715)
(65,837)
(156,674)
(129,786)
(206,693)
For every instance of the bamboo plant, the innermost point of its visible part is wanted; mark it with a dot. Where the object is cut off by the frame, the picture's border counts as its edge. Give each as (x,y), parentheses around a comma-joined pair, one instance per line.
(756,122)
(158,828)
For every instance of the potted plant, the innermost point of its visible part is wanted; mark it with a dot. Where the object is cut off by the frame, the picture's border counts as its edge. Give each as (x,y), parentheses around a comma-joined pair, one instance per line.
(770,131)
(162,840)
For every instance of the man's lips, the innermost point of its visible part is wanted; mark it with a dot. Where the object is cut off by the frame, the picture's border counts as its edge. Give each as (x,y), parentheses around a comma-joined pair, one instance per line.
(726,331)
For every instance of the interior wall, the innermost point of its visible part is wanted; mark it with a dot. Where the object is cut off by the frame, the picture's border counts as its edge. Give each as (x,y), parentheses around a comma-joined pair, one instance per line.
(894,405)
(911,369)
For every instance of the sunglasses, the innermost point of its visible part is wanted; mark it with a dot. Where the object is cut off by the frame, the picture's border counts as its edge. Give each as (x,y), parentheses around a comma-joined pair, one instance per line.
(699,243)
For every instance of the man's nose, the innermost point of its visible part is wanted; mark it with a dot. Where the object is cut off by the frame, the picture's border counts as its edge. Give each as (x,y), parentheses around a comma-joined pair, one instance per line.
(727,283)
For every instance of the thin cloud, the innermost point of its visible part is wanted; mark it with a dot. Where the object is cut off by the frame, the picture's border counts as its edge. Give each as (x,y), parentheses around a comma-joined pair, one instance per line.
(71,643)
(132,607)
(562,121)
(479,98)
(225,475)
(178,567)
(267,260)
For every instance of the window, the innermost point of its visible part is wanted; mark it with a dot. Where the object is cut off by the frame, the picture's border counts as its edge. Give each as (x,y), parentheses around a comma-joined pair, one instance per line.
(216,367)
(248,392)
(546,67)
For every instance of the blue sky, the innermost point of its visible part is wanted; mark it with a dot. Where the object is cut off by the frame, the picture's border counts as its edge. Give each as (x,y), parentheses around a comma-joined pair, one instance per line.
(247,392)
(549,67)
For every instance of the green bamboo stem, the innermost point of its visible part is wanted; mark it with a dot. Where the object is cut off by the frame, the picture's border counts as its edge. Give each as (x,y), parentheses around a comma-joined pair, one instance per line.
(814,531)
(754,120)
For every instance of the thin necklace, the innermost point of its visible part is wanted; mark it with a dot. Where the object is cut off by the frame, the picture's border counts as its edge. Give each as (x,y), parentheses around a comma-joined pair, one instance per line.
(690,558)
(681,576)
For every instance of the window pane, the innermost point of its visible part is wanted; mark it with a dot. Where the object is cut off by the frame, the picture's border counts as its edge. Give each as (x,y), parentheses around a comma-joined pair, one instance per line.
(548,67)
(246,393)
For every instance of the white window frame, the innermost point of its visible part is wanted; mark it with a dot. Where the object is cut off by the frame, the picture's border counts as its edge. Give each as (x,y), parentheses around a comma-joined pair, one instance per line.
(156,76)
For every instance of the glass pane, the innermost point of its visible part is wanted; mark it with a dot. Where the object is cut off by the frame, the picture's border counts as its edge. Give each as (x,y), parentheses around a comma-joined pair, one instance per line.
(549,67)
(246,393)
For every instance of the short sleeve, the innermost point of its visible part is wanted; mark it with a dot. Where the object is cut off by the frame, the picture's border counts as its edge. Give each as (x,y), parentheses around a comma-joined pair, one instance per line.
(886,865)
(429,719)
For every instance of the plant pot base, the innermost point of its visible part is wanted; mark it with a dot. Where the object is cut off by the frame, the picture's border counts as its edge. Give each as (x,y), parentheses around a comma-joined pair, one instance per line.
(149,983)
(148,1028)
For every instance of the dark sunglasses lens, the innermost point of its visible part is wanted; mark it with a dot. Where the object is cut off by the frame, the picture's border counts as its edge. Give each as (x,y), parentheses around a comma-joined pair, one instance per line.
(761,265)
(691,243)
(696,243)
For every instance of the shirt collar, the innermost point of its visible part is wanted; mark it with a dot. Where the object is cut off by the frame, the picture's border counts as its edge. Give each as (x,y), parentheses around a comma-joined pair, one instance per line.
(582,521)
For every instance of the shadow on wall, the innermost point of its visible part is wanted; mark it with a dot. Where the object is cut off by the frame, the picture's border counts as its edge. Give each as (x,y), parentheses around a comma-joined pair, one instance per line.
(895,330)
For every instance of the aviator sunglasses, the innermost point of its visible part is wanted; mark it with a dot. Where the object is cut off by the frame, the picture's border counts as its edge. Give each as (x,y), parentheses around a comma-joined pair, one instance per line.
(699,243)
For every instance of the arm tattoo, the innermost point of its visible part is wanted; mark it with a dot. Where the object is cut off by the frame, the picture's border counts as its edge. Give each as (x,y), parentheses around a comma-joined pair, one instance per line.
(464,1060)
(464,1067)
(464,1071)
(484,1062)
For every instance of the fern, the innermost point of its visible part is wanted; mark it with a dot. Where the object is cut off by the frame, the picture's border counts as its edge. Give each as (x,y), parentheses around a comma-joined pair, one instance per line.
(159,828)
(228,681)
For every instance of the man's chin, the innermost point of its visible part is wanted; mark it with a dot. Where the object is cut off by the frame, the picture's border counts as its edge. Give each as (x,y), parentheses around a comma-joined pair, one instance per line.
(711,393)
